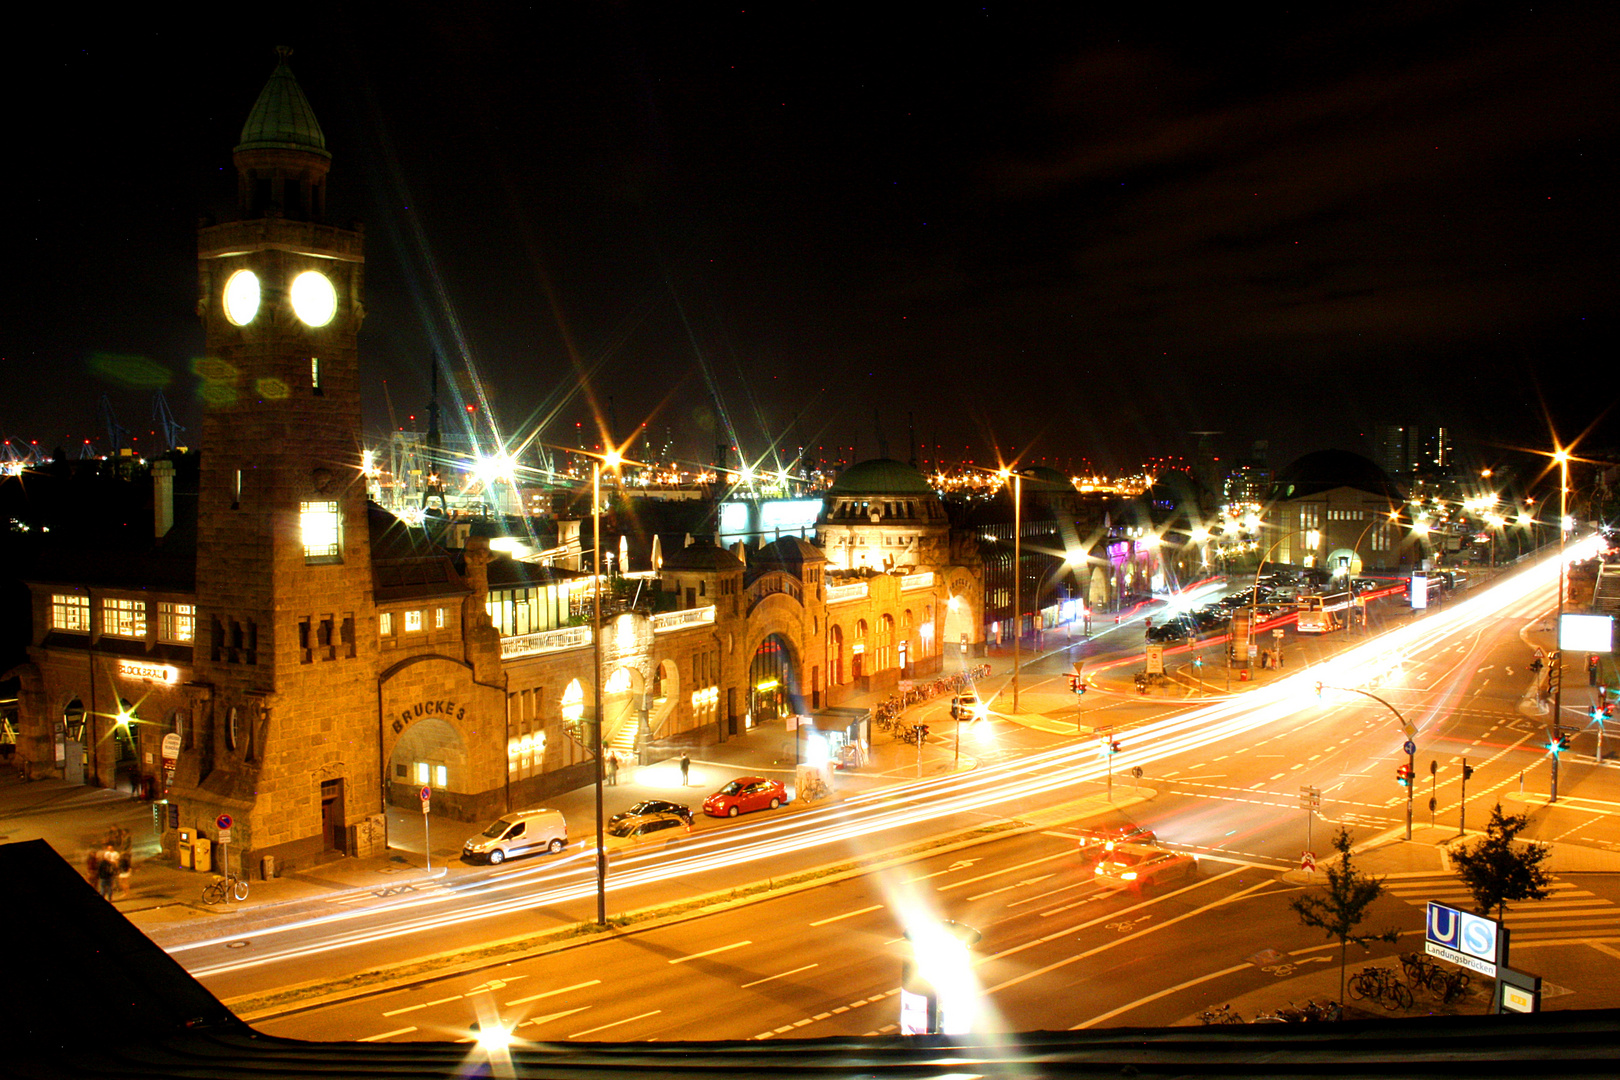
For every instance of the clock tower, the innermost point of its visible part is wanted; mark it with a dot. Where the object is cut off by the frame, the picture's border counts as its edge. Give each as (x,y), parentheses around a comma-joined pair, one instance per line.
(286,629)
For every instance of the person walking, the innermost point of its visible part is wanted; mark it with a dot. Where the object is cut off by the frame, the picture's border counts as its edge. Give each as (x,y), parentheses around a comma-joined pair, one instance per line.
(686,767)
(613,768)
(107,871)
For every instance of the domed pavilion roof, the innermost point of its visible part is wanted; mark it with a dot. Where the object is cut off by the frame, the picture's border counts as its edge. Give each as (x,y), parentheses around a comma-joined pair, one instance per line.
(880,476)
(1328,469)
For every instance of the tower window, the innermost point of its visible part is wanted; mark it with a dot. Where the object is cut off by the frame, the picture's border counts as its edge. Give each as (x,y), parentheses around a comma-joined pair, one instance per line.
(315,374)
(322,529)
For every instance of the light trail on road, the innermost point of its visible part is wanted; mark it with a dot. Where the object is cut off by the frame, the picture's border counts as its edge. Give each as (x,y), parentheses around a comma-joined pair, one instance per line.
(860,818)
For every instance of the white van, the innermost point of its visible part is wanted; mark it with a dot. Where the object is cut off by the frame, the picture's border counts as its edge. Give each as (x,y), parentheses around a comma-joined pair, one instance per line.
(521,833)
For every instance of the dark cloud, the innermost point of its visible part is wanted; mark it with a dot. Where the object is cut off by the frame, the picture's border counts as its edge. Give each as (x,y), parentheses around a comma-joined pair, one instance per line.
(1098,231)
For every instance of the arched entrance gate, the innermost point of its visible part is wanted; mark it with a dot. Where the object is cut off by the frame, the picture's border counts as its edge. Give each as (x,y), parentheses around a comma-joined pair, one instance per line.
(773,686)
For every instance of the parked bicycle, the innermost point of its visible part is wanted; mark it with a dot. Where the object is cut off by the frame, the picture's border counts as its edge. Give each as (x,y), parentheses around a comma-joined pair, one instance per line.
(1220,1014)
(1382,985)
(222,889)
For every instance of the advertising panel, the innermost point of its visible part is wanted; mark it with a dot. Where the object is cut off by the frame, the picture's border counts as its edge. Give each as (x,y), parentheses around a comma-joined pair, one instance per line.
(1586,633)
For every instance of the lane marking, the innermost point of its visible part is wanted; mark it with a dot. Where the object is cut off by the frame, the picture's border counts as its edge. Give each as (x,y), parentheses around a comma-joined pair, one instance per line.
(388,1034)
(406,1009)
(707,952)
(783,975)
(837,918)
(549,1017)
(616,1023)
(549,993)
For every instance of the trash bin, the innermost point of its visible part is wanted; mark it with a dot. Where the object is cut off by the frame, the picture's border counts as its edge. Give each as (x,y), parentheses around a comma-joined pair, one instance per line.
(205,855)
(186,854)
(267,867)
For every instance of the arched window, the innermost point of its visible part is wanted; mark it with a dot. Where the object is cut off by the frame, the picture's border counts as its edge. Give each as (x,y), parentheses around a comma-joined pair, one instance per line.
(835,655)
(885,643)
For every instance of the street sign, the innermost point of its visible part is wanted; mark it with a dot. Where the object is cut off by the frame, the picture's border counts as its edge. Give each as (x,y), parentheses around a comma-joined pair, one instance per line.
(1310,798)
(1409,747)
(1307,861)
(222,822)
(1277,633)
(426,793)
(1155,659)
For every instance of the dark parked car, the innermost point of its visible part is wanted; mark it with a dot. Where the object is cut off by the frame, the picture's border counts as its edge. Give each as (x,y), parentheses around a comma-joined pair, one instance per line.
(654,806)
(648,827)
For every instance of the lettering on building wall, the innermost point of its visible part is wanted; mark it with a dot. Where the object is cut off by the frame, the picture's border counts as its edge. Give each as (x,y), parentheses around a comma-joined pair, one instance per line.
(137,669)
(447,709)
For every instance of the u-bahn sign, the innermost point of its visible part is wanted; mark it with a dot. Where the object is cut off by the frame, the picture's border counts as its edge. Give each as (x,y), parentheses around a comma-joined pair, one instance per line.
(1465,939)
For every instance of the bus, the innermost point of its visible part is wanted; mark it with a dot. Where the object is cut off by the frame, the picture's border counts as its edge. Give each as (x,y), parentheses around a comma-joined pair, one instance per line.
(1321,613)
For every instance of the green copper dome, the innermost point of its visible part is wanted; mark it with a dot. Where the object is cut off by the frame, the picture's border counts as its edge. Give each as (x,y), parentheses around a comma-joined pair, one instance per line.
(880,476)
(282,119)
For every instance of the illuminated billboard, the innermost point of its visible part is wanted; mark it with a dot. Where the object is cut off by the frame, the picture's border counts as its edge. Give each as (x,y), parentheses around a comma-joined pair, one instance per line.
(1586,633)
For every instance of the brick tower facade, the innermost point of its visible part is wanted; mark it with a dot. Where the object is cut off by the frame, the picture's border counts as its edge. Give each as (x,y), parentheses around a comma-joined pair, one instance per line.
(286,625)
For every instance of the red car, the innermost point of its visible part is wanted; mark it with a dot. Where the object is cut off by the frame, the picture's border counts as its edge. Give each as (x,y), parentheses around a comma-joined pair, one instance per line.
(743,794)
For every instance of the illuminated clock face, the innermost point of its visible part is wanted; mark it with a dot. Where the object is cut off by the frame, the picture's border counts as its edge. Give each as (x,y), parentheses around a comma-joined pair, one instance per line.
(242,297)
(313,299)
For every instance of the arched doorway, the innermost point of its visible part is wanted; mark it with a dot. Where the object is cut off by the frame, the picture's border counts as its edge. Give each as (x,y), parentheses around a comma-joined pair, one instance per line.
(858,665)
(835,656)
(773,689)
(429,753)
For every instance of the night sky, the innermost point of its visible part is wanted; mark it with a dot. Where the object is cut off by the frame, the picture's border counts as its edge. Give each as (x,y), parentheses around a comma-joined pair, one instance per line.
(1062,233)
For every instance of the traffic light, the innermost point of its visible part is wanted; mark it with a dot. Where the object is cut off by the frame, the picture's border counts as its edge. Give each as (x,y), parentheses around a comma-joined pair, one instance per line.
(956,710)
(1563,742)
(1403,776)
(1113,746)
(1468,772)
(922,733)
(1318,689)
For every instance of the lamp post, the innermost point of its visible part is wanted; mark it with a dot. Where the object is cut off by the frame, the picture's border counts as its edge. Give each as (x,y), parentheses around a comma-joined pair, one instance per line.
(1018,614)
(1561,456)
(1254,595)
(612,460)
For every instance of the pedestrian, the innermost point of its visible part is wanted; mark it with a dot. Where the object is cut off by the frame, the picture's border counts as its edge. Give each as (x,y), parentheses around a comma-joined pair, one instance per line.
(686,767)
(1591,670)
(613,768)
(107,871)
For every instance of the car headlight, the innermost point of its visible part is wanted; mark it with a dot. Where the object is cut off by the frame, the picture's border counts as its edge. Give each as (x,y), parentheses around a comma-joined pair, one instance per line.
(1129,875)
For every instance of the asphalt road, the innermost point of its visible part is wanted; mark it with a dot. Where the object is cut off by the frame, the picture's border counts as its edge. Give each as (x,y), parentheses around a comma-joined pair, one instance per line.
(1224,782)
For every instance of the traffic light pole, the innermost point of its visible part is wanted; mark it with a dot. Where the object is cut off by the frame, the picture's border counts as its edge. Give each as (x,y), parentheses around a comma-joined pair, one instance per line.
(1462,800)
(1411,745)
(1411,784)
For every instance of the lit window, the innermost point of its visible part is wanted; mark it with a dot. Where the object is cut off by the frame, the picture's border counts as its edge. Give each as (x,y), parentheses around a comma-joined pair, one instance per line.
(177,622)
(123,618)
(385,623)
(423,772)
(70,612)
(322,531)
(315,373)
(438,618)
(413,621)
(441,776)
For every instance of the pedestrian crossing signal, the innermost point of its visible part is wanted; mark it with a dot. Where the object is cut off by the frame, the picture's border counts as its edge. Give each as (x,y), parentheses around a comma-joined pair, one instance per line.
(1403,776)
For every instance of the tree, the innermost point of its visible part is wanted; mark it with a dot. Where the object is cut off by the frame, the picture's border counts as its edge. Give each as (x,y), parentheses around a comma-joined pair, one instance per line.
(1498,868)
(1343,907)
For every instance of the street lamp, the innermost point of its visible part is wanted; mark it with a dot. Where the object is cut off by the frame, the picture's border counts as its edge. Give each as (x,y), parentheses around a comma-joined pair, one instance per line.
(612,460)
(1018,614)
(1561,456)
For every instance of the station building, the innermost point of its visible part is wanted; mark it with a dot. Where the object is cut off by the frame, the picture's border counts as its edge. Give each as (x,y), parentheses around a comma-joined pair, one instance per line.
(278,649)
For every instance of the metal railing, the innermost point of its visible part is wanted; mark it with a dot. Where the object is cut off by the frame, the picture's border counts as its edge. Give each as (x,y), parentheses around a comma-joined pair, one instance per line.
(567,637)
(675,620)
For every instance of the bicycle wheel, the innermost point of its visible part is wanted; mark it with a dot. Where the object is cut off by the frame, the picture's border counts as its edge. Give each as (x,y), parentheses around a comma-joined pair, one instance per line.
(1358,986)
(1400,995)
(214,894)
(239,888)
